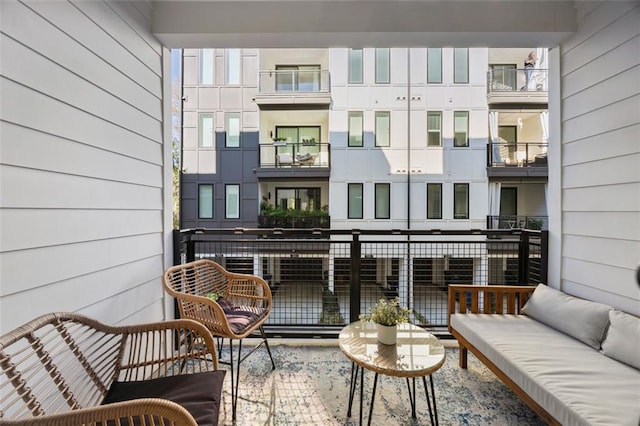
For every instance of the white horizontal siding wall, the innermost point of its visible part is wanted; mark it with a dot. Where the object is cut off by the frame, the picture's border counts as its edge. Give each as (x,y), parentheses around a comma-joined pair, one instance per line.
(82,186)
(600,80)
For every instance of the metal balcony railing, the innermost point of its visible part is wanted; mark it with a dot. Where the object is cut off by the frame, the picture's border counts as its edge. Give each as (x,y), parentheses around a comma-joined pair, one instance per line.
(293,81)
(296,154)
(307,221)
(517,80)
(524,154)
(518,222)
(327,280)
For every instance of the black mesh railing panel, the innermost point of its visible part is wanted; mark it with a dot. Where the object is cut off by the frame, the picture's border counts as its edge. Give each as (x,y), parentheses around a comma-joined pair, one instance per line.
(316,282)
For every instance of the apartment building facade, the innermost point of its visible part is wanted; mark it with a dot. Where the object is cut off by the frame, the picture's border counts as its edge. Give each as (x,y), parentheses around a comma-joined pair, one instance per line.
(400,138)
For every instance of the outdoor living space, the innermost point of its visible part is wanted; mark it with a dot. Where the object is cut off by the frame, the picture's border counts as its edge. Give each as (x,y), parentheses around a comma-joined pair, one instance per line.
(87,178)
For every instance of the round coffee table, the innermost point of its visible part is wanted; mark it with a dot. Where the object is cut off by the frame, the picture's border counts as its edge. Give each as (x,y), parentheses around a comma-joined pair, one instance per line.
(417,353)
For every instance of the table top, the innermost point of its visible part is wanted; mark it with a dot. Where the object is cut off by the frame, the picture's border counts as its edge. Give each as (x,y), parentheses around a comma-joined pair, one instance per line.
(416,353)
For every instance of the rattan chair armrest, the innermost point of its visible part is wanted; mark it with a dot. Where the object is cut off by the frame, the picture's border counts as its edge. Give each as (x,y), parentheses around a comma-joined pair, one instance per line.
(161,410)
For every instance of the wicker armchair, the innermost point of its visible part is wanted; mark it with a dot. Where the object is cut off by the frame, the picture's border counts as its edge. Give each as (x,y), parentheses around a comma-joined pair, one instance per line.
(67,369)
(243,305)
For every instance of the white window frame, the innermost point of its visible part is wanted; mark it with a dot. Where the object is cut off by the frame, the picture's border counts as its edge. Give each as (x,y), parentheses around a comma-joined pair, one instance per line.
(356,55)
(206,133)
(233,133)
(206,73)
(233,67)
(386,140)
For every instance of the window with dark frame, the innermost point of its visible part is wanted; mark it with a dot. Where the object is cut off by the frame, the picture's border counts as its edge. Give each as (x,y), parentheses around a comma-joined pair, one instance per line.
(356,129)
(355,201)
(461,201)
(434,128)
(232,201)
(434,65)
(383,128)
(461,128)
(461,66)
(434,201)
(205,201)
(383,201)
(383,66)
(355,66)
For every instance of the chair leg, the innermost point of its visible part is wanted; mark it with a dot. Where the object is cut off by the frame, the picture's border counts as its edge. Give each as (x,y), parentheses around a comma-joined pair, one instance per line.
(266,343)
(235,377)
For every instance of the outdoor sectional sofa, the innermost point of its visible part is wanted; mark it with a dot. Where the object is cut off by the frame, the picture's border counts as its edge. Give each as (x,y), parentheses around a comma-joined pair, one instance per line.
(67,369)
(573,361)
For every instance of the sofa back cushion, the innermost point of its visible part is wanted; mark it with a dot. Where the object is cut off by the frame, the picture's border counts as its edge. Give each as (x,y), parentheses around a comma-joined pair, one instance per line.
(581,319)
(623,338)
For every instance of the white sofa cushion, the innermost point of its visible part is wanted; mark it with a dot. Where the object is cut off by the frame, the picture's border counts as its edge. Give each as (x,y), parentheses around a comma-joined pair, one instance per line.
(573,382)
(623,339)
(581,319)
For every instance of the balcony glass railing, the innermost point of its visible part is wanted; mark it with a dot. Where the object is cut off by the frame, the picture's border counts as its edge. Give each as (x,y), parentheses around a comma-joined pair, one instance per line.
(294,154)
(523,154)
(517,80)
(293,81)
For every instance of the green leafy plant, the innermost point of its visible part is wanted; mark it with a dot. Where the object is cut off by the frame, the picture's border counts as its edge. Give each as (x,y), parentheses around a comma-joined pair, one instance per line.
(213,296)
(387,312)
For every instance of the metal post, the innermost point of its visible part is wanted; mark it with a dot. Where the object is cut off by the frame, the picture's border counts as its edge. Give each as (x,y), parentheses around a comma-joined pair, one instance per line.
(544,256)
(191,248)
(523,259)
(354,289)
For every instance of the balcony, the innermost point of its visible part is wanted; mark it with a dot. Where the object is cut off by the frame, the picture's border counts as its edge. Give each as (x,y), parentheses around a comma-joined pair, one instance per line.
(518,222)
(289,88)
(509,88)
(301,159)
(505,159)
(289,219)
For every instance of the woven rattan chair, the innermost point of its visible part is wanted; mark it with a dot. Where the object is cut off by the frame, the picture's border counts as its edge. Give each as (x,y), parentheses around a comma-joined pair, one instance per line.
(67,369)
(243,305)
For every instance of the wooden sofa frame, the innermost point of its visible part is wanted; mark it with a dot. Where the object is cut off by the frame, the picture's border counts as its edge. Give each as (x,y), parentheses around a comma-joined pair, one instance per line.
(470,299)
(58,368)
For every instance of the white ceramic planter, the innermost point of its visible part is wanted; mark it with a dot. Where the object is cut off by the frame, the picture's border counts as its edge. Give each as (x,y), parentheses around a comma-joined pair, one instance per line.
(387,335)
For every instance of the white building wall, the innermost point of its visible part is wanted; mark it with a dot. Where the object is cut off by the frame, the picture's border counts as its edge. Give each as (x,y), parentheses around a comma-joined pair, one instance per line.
(370,164)
(600,189)
(81,162)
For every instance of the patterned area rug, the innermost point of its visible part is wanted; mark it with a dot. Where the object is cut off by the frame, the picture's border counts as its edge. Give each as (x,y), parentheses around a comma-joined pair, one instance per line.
(310,386)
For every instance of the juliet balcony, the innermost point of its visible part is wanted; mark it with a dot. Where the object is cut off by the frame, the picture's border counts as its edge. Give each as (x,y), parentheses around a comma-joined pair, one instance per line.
(511,87)
(290,88)
(301,159)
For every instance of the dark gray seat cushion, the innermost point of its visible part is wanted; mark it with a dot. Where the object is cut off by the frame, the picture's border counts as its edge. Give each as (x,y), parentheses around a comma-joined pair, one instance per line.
(200,393)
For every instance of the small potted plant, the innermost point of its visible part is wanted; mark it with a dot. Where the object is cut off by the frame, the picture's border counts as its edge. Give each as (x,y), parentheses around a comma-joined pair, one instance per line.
(387,314)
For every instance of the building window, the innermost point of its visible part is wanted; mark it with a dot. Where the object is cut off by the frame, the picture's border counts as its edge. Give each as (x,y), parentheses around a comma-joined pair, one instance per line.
(207,57)
(304,199)
(298,78)
(434,128)
(232,71)
(232,129)
(383,128)
(205,201)
(356,125)
(434,201)
(383,66)
(461,201)
(355,66)
(461,65)
(232,201)
(206,134)
(355,201)
(383,201)
(434,65)
(461,128)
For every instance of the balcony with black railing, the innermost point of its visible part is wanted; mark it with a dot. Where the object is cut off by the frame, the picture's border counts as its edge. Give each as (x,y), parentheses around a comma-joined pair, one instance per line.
(518,222)
(328,278)
(517,159)
(293,87)
(306,158)
(511,86)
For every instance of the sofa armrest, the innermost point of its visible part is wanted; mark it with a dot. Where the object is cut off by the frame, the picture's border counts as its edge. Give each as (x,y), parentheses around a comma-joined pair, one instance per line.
(485,299)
